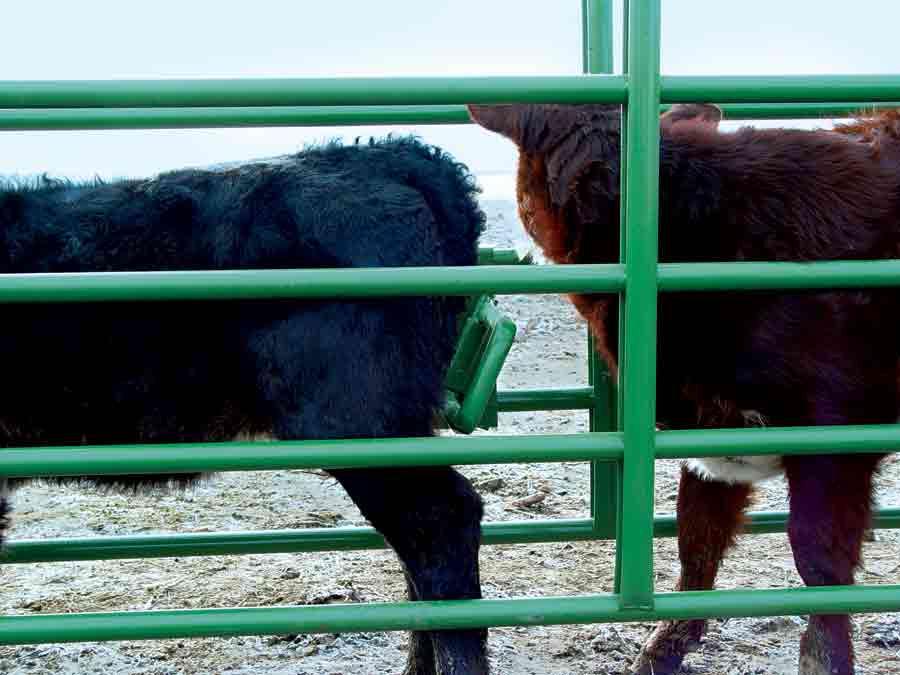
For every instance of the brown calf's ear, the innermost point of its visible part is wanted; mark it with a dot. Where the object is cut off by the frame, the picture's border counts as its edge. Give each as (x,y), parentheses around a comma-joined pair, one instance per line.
(691,115)
(506,119)
(535,128)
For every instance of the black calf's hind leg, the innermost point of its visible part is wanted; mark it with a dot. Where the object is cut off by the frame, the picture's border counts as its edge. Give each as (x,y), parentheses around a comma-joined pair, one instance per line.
(431,517)
(322,375)
(421,653)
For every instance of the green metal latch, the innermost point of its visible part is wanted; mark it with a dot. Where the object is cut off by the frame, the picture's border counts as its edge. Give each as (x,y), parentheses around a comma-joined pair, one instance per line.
(485,338)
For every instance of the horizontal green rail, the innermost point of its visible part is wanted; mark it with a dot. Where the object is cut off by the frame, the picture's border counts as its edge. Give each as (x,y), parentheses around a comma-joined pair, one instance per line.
(310,91)
(406,281)
(61,119)
(177,118)
(352,91)
(307,283)
(863,438)
(340,539)
(445,615)
(774,522)
(524,400)
(272,541)
(797,111)
(331,454)
(736,276)
(440,451)
(780,88)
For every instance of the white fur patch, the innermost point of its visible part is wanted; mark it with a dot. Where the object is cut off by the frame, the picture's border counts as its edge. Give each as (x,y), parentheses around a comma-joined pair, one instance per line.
(736,469)
(739,469)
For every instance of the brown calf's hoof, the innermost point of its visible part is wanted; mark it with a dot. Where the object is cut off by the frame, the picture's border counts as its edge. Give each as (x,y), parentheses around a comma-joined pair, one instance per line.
(666,648)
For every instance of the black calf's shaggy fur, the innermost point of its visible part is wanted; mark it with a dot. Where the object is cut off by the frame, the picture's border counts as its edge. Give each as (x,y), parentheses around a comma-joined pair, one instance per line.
(298,369)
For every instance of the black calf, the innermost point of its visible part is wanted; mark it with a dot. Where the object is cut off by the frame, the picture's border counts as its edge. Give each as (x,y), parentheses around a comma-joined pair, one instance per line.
(297,369)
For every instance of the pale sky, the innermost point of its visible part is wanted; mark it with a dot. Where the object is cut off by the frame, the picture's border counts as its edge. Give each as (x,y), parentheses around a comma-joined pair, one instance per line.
(101,39)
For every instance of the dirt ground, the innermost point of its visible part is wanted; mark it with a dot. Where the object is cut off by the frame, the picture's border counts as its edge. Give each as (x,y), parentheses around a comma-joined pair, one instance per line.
(549,352)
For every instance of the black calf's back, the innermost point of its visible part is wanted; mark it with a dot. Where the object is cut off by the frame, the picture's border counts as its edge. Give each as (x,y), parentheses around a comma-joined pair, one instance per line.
(189,371)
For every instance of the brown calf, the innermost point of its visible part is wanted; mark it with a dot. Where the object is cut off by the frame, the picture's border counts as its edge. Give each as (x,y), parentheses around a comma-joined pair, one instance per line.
(774,358)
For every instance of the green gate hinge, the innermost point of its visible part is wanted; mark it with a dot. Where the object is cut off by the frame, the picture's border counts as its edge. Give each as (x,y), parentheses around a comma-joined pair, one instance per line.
(485,338)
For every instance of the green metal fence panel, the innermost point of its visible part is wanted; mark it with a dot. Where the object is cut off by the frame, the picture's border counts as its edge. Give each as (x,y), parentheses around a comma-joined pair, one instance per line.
(638,278)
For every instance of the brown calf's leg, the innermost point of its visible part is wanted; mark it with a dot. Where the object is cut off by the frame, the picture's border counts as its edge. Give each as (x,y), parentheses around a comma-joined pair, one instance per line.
(710,513)
(830,499)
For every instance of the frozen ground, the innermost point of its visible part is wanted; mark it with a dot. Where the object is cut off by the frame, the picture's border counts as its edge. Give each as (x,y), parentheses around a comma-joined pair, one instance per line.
(550,352)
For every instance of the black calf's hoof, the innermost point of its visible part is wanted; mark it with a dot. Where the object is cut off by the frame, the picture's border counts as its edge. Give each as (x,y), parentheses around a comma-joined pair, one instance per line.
(460,667)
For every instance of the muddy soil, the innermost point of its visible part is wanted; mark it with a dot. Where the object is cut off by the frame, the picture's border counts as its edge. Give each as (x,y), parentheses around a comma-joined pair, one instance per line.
(549,352)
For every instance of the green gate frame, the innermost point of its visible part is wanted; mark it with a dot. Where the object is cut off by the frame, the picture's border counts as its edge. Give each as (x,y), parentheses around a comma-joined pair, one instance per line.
(620,457)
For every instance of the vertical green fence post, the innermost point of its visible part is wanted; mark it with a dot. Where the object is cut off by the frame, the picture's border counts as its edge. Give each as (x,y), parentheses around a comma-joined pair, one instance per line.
(638,358)
(597,36)
(596,23)
(620,408)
